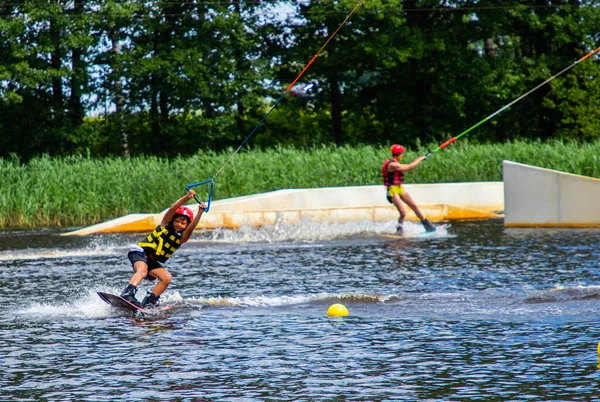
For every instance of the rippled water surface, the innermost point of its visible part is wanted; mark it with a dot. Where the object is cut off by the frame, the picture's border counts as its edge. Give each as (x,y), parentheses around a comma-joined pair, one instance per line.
(478,313)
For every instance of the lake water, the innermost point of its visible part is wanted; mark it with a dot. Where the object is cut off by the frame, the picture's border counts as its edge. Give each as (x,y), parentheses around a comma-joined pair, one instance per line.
(478,313)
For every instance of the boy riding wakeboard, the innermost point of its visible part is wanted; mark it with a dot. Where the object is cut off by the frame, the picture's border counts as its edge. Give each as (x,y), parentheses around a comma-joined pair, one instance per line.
(148,257)
(393,177)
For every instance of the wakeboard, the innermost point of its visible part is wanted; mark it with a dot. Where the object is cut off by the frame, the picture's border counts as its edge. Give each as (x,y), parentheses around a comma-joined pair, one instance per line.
(438,230)
(121,304)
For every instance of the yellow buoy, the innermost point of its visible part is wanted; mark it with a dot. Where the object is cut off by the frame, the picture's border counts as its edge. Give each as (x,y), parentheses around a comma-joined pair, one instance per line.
(337,310)
(598,348)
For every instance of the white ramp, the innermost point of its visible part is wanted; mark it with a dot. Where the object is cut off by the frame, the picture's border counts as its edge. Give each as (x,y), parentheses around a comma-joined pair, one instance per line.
(535,196)
(438,202)
(485,196)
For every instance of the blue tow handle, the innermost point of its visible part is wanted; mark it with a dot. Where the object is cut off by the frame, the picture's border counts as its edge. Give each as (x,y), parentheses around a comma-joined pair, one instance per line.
(210,192)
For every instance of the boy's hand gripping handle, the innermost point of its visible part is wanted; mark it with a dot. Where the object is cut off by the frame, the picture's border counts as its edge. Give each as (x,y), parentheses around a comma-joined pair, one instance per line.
(210,191)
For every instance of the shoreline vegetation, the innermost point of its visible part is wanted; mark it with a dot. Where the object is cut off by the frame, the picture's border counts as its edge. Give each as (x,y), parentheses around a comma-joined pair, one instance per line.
(80,190)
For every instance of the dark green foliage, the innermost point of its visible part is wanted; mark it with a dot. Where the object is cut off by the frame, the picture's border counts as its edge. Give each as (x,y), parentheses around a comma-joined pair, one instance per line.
(171,78)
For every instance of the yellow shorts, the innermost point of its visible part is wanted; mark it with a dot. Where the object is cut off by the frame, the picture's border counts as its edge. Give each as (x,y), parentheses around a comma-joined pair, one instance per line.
(392,191)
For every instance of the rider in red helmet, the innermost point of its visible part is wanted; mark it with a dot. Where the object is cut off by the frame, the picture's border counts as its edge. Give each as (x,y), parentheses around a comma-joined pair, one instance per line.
(184,212)
(147,257)
(397,149)
(393,177)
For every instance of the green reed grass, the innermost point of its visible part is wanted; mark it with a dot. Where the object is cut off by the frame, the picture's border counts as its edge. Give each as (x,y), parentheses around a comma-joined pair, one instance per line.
(78,190)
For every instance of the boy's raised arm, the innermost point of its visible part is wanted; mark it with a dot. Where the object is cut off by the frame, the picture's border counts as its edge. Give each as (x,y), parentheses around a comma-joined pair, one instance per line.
(171,211)
(187,233)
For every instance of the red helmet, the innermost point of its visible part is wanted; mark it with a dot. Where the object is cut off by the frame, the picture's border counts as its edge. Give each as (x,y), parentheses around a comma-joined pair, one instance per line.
(185,211)
(397,149)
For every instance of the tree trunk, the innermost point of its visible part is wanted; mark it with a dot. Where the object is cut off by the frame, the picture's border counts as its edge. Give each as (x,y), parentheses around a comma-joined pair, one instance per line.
(77,77)
(491,49)
(154,115)
(242,65)
(336,111)
(55,63)
(420,88)
(119,98)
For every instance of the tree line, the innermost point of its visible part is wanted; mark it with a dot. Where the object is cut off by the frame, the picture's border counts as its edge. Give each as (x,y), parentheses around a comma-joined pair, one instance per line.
(166,78)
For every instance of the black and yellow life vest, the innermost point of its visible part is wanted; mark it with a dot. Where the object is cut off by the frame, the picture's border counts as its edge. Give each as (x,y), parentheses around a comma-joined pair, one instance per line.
(162,242)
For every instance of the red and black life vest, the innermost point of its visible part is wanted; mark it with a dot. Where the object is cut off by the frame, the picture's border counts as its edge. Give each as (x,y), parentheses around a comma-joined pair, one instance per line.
(394,178)
(162,242)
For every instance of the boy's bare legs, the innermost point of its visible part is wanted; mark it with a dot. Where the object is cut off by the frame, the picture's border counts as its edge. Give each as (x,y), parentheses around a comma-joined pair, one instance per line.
(164,280)
(411,203)
(141,270)
(400,207)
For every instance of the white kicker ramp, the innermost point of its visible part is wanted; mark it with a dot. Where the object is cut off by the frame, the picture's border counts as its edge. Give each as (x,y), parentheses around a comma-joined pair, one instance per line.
(438,202)
(535,196)
(485,196)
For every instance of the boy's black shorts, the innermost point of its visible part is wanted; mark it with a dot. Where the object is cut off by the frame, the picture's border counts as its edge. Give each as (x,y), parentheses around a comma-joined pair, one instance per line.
(136,255)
